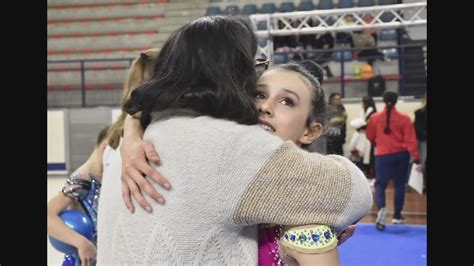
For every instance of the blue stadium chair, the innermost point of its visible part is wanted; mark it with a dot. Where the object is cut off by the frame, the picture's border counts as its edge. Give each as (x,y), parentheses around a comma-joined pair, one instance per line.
(329,20)
(325,4)
(232,10)
(213,10)
(305,6)
(387,16)
(387,2)
(249,9)
(287,7)
(391,53)
(262,25)
(362,3)
(262,42)
(345,55)
(345,4)
(280,59)
(388,35)
(268,8)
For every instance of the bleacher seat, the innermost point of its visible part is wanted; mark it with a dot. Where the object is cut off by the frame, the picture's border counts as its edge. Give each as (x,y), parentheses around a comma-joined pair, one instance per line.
(325,4)
(387,17)
(232,10)
(345,4)
(305,6)
(287,7)
(262,42)
(213,10)
(268,8)
(388,35)
(262,25)
(280,58)
(387,2)
(249,9)
(391,53)
(362,3)
(343,56)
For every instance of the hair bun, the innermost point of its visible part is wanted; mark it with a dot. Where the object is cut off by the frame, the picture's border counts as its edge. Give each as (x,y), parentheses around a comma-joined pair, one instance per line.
(314,69)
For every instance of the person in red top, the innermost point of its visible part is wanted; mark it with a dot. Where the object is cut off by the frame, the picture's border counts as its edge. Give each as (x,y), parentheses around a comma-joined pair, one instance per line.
(394,136)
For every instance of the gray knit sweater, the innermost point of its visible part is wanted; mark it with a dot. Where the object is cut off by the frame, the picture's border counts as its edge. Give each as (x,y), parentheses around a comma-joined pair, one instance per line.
(226,179)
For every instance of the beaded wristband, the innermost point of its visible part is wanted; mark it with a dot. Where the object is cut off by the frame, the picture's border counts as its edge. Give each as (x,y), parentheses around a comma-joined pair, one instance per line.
(309,238)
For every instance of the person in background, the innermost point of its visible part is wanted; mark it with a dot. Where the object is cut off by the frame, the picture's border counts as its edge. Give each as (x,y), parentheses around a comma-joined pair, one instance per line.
(336,130)
(420,129)
(81,192)
(393,133)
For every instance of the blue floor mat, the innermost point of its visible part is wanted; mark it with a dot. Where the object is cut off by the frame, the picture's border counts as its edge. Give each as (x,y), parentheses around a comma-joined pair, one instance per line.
(396,245)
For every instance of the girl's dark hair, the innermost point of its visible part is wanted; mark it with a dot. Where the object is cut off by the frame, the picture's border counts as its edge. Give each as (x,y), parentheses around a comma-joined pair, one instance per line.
(314,69)
(367,102)
(390,99)
(206,66)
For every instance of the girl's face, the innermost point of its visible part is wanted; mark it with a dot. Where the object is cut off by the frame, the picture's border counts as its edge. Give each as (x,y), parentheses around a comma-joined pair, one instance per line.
(284,101)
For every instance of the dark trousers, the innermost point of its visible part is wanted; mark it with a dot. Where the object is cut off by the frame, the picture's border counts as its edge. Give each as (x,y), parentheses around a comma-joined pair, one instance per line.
(363,167)
(395,165)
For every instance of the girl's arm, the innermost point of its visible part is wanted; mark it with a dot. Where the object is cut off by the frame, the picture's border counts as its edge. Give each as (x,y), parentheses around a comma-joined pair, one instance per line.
(60,231)
(328,258)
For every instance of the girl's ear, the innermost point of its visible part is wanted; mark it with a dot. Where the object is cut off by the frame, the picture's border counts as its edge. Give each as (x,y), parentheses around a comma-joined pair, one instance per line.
(311,133)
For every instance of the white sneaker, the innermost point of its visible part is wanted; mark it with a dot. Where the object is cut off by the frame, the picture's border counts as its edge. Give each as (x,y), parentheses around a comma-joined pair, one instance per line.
(398,220)
(380,221)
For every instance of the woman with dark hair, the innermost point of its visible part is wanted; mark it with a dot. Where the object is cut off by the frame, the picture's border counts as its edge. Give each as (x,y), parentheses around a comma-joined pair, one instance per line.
(222,83)
(368,105)
(394,136)
(199,112)
(336,130)
(369,108)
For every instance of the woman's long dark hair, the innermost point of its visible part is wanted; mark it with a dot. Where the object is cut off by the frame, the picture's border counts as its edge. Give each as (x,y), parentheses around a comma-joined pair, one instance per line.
(390,99)
(206,66)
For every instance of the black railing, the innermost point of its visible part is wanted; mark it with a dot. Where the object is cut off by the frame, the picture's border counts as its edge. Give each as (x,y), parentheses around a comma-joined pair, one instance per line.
(79,91)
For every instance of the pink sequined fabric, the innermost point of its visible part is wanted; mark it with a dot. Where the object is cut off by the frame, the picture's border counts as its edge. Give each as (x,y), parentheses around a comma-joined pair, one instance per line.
(268,248)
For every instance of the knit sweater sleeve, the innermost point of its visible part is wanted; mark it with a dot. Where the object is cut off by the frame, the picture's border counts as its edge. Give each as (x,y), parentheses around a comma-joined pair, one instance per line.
(295,187)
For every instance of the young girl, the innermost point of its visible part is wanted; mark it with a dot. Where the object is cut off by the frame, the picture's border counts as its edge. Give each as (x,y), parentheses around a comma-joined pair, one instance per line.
(291,106)
(359,145)
(81,192)
(368,109)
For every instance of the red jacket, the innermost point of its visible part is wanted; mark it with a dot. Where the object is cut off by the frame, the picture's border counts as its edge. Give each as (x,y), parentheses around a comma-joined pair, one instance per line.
(402,137)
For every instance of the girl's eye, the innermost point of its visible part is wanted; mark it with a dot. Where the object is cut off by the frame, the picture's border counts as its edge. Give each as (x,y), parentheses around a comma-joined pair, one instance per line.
(260,95)
(288,101)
